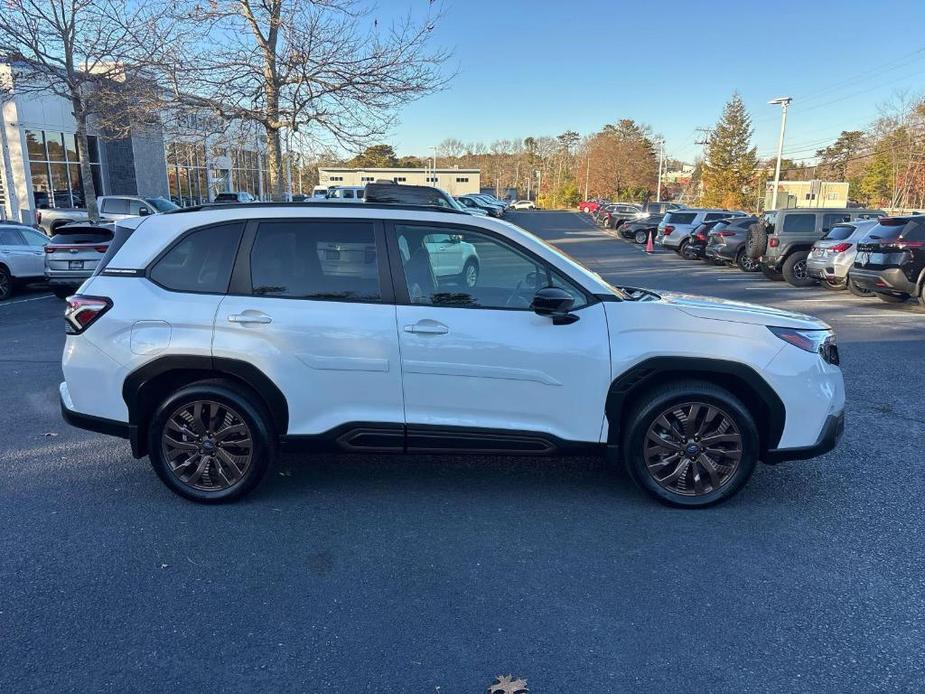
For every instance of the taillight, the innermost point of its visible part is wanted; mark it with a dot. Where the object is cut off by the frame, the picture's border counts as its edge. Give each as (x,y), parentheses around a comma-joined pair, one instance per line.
(902,245)
(100,249)
(49,248)
(83,311)
(773,243)
(840,248)
(668,230)
(724,233)
(699,236)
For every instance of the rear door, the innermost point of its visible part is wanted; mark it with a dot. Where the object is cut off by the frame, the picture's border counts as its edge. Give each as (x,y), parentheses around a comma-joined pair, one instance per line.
(36,242)
(480,368)
(311,306)
(14,252)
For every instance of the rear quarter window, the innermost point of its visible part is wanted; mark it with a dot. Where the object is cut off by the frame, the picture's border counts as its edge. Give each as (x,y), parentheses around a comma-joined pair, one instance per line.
(712,216)
(799,223)
(839,233)
(201,262)
(680,217)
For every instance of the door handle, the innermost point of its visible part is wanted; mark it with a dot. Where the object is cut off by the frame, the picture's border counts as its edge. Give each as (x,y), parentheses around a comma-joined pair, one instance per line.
(427,327)
(249,317)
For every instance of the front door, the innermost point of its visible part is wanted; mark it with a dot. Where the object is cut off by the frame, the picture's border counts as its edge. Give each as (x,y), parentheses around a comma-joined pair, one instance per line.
(478,364)
(310,306)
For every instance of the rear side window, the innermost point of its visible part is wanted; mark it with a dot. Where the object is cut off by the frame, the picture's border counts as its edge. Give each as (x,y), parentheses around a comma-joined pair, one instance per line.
(715,215)
(201,262)
(334,261)
(10,237)
(680,217)
(115,206)
(839,233)
(830,220)
(799,223)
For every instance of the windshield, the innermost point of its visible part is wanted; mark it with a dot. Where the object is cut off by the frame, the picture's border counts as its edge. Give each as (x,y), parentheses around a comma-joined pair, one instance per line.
(161,204)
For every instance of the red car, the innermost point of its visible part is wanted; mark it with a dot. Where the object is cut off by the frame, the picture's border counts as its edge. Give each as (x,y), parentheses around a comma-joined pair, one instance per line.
(589,206)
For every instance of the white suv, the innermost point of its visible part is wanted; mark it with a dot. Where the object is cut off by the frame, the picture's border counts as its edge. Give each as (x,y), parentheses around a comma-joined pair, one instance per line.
(215,336)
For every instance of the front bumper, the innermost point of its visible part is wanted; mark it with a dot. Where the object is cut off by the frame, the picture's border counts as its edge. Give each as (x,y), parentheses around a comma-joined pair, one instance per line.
(829,437)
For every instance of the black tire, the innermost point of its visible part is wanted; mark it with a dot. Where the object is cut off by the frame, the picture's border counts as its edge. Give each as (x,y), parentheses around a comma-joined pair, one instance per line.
(655,402)
(892,298)
(833,285)
(472,265)
(857,289)
(63,292)
(746,264)
(681,246)
(688,252)
(642,237)
(922,296)
(795,270)
(770,274)
(244,407)
(6,283)
(756,243)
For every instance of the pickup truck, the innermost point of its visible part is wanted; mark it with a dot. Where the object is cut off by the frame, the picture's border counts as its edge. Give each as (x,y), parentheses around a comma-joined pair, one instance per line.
(112,208)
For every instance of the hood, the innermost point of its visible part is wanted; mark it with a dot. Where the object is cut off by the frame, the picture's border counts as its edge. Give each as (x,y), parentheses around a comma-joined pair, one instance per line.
(739,312)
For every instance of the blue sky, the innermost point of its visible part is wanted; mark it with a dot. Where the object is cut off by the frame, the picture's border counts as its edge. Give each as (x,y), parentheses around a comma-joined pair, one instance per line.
(541,67)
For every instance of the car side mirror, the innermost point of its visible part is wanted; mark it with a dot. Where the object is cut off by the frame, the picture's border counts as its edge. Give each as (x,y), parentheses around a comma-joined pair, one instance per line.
(143,211)
(555,303)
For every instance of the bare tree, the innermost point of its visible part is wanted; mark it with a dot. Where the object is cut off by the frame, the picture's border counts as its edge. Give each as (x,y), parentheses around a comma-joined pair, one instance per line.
(79,50)
(325,66)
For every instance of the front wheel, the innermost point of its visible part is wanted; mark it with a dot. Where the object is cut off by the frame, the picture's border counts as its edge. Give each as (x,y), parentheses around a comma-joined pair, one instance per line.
(746,263)
(690,444)
(470,273)
(210,442)
(6,283)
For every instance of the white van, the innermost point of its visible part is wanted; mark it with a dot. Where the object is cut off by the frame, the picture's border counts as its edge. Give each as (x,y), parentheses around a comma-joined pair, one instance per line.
(347,193)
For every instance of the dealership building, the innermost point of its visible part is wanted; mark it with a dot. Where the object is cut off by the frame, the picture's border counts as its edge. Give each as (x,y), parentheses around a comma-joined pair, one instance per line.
(40,159)
(453,181)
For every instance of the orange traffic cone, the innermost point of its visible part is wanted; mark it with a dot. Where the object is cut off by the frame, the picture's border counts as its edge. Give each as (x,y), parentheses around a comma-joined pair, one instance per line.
(650,244)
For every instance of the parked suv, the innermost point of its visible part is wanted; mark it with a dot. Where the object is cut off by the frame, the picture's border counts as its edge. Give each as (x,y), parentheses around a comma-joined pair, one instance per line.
(22,258)
(227,336)
(833,255)
(726,242)
(790,234)
(891,260)
(674,229)
(72,255)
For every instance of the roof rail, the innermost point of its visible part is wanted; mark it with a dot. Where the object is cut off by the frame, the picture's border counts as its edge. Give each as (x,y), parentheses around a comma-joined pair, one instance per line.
(315,205)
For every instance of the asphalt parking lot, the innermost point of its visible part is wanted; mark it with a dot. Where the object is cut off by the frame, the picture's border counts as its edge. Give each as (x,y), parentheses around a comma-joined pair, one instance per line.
(434,574)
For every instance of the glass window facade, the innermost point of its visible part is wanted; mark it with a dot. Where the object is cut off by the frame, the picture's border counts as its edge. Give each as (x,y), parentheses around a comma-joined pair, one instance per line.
(186,173)
(54,165)
(189,178)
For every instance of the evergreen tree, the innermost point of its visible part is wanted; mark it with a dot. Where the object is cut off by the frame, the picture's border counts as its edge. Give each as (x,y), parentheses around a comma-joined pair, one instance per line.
(729,172)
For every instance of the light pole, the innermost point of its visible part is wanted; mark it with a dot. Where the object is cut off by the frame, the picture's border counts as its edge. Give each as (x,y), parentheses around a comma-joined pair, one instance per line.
(434,174)
(661,156)
(784,102)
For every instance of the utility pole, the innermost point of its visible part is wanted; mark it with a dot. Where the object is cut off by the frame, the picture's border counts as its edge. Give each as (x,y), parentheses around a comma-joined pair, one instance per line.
(705,141)
(784,102)
(588,173)
(661,157)
(539,183)
(434,174)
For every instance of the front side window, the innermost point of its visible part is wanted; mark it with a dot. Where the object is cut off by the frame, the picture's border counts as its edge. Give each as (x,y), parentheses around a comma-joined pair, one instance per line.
(467,269)
(116,206)
(34,238)
(799,223)
(321,260)
(201,262)
(830,220)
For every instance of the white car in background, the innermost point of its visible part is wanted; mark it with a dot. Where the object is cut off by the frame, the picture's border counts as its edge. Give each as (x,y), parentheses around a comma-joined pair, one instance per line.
(22,256)
(523,205)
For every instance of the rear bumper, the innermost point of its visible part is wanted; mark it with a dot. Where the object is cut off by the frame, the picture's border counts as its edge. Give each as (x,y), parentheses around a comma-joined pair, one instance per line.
(100,425)
(887,280)
(724,251)
(829,437)
(62,278)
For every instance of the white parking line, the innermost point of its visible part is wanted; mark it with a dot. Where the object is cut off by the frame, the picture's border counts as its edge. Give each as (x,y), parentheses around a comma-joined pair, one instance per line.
(22,301)
(909,317)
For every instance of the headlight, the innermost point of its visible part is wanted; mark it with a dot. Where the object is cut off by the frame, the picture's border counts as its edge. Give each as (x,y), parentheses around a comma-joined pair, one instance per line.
(820,342)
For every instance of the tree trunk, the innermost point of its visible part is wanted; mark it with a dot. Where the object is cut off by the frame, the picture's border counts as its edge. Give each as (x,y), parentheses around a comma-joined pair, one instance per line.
(275,165)
(86,171)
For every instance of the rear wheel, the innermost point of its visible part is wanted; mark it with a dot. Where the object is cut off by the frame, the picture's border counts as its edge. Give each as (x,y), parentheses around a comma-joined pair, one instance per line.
(795,270)
(690,444)
(833,284)
(62,292)
(210,442)
(857,289)
(6,283)
(642,236)
(892,298)
(681,246)
(745,263)
(770,274)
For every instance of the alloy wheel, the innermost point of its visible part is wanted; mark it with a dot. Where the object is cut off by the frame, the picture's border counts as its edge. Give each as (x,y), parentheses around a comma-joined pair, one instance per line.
(472,275)
(5,284)
(748,264)
(693,448)
(799,270)
(207,445)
